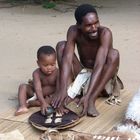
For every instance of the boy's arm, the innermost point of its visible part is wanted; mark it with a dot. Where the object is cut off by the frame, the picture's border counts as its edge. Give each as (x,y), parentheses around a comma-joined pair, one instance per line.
(66,67)
(38,91)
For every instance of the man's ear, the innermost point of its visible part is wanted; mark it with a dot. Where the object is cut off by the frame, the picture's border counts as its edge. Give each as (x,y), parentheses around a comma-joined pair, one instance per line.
(37,62)
(78,26)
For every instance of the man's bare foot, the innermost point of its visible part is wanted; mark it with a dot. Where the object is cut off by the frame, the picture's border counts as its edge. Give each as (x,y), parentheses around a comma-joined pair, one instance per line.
(21,110)
(92,112)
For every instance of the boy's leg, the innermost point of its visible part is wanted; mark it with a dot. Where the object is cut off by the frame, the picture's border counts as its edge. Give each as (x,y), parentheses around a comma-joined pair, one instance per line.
(34,103)
(47,91)
(109,71)
(25,91)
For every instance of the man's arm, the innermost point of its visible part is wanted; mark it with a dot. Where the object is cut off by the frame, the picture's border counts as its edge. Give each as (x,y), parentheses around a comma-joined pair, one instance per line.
(66,66)
(106,44)
(57,80)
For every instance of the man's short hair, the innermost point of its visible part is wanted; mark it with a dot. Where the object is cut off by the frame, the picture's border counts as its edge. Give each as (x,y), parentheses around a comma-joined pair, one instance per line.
(82,10)
(45,50)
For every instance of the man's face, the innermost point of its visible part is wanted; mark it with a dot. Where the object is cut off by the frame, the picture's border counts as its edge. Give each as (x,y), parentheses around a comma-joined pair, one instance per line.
(90,25)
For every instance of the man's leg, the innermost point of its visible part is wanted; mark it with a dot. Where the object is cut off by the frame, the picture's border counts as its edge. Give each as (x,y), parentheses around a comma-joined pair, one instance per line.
(109,71)
(76,66)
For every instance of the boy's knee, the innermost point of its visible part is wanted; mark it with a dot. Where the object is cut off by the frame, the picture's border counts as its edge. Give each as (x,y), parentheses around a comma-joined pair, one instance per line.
(60,46)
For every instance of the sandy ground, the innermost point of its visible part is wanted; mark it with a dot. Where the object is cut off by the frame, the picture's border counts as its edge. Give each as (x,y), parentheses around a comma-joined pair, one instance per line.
(24,29)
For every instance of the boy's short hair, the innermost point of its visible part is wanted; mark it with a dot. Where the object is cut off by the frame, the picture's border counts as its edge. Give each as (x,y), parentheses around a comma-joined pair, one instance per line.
(45,50)
(82,10)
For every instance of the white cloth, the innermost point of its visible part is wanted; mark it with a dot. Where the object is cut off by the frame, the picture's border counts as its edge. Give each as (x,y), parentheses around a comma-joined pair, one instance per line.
(32,98)
(113,86)
(79,82)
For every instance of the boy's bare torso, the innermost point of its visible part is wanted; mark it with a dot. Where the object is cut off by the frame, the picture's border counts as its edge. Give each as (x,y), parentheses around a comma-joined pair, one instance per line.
(48,82)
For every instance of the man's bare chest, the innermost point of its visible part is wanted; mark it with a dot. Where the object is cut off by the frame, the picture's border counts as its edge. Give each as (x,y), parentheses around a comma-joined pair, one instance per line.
(88,49)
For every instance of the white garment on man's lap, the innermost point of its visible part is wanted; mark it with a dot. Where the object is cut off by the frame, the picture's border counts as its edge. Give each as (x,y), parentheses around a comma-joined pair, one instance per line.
(79,82)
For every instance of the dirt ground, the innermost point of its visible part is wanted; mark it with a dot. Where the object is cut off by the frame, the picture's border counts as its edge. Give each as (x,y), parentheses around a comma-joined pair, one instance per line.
(23,29)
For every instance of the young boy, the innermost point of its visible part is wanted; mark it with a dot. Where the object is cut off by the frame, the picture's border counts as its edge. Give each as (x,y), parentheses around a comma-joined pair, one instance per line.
(44,83)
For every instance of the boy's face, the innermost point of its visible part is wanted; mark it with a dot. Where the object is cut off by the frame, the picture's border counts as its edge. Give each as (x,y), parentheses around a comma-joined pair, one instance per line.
(90,25)
(47,63)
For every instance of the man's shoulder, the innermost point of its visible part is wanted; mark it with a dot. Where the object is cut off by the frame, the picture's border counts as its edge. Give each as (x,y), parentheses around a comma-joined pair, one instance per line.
(104,30)
(73,28)
(72,32)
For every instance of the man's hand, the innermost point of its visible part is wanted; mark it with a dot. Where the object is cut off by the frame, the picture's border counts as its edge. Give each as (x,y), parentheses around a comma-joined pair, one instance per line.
(44,108)
(58,99)
(67,100)
(84,102)
(62,110)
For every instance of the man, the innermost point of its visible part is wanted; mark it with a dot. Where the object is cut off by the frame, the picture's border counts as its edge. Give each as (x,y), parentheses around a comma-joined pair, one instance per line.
(95,49)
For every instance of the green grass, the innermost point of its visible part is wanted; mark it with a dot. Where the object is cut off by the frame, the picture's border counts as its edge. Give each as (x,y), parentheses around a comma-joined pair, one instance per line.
(46,4)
